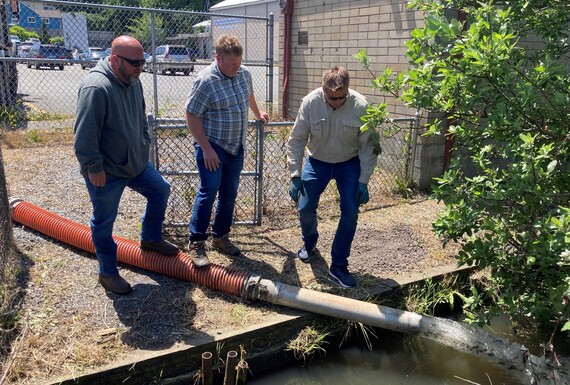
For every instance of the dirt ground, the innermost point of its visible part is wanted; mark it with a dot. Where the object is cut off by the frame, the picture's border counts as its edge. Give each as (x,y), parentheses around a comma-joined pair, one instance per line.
(70,326)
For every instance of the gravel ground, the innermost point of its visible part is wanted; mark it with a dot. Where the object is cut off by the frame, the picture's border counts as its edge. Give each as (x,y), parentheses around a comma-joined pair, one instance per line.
(70,325)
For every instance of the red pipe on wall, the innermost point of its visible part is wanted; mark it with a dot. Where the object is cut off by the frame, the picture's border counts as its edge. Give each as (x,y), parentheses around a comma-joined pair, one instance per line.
(288,15)
(214,276)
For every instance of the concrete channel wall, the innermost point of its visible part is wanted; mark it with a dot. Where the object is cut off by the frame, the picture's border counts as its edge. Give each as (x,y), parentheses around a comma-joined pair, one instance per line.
(264,342)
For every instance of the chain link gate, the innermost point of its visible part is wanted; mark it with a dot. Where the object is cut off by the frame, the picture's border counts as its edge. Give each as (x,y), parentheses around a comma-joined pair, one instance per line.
(173,156)
(394,170)
(264,183)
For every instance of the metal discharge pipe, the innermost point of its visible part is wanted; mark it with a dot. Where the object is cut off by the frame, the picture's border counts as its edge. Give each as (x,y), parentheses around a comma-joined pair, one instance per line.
(218,277)
(334,305)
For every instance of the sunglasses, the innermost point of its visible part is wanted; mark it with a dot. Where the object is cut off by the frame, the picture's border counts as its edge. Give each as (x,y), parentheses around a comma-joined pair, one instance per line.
(335,98)
(134,63)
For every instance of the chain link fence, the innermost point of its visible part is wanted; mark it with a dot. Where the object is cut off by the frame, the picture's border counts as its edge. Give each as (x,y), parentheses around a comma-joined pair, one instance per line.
(263,194)
(44,79)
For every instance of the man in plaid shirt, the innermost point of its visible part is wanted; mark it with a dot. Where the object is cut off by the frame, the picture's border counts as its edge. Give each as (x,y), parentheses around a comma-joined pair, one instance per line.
(217,117)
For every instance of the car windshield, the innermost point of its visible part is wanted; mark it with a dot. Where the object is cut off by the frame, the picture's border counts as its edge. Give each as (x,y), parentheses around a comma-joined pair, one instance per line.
(52,52)
(178,51)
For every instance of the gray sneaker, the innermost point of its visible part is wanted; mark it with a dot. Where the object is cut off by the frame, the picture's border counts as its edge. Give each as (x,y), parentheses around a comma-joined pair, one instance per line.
(197,252)
(306,254)
(226,246)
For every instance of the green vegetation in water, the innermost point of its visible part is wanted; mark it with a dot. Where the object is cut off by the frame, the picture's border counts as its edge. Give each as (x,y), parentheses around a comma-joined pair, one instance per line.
(427,296)
(309,343)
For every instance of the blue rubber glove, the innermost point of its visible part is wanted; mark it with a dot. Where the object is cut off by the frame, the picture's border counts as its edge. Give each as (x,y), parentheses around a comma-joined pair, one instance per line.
(362,195)
(296,188)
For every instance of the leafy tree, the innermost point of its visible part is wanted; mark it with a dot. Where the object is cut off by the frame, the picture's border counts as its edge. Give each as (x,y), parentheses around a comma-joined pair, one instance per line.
(496,79)
(22,33)
(140,28)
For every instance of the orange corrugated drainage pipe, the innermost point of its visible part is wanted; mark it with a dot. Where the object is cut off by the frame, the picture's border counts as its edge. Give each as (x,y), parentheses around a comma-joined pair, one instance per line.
(216,277)
(446,332)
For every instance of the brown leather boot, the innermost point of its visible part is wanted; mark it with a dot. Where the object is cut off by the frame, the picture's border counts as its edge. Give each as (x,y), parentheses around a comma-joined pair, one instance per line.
(115,283)
(162,247)
(197,252)
(226,246)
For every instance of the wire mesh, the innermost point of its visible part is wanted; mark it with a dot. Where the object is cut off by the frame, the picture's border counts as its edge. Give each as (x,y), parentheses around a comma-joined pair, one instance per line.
(269,199)
(47,95)
(175,160)
(177,44)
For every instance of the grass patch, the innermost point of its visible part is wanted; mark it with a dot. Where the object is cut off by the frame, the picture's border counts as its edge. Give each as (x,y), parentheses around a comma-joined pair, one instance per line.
(36,138)
(308,344)
(41,116)
(429,296)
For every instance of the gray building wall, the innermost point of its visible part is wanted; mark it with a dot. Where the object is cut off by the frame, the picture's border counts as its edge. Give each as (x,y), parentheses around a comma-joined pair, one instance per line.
(329,33)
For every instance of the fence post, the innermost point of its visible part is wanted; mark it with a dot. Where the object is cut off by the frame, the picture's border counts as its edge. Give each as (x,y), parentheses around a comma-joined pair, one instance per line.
(6,95)
(260,146)
(416,128)
(153,145)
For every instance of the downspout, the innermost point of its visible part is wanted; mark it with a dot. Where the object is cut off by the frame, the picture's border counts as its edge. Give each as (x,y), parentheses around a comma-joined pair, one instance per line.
(288,16)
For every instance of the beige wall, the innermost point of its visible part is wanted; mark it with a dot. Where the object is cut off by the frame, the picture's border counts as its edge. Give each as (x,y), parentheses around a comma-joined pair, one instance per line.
(336,30)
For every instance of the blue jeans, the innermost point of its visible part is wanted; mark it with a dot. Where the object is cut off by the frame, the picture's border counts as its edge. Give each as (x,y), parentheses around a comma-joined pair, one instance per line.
(105,201)
(224,183)
(316,176)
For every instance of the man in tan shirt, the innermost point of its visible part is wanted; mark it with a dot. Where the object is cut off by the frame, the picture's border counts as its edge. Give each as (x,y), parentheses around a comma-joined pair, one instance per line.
(328,128)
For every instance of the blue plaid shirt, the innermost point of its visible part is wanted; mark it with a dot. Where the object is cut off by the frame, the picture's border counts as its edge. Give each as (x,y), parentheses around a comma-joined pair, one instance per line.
(222,103)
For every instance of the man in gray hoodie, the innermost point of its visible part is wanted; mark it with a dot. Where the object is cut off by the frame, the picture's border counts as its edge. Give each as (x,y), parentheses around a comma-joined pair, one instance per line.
(112,145)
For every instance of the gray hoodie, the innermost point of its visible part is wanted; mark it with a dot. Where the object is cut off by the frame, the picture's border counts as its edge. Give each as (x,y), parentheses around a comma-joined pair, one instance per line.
(111,129)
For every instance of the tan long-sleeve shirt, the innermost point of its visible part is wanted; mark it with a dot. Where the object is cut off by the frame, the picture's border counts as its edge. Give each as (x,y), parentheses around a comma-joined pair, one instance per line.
(331,135)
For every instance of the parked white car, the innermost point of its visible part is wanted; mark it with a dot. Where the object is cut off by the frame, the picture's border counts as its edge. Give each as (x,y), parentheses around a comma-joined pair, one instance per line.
(92,56)
(171,58)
